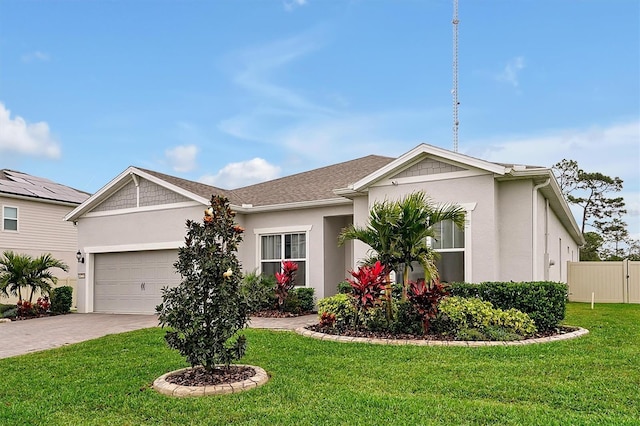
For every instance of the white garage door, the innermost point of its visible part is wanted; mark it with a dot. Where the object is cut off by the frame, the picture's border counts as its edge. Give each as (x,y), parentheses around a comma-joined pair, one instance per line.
(131,282)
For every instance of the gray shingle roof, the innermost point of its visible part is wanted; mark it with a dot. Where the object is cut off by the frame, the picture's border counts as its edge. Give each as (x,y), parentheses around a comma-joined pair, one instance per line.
(313,185)
(22,184)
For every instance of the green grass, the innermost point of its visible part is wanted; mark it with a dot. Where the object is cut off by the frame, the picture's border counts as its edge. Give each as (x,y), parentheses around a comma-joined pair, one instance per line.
(594,379)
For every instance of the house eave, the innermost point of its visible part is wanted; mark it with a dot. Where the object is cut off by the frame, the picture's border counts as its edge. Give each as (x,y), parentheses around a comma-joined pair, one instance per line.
(329,202)
(38,199)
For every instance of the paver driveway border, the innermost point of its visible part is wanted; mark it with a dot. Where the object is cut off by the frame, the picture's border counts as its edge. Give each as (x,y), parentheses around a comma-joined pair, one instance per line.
(22,337)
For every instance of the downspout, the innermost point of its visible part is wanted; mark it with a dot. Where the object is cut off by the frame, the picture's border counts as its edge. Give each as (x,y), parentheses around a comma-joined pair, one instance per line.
(534,233)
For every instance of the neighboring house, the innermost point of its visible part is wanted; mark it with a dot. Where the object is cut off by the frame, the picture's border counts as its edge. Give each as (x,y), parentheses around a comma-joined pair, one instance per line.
(33,211)
(518,225)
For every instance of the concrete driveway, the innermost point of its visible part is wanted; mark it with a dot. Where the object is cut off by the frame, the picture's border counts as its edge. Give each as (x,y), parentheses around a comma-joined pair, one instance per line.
(22,337)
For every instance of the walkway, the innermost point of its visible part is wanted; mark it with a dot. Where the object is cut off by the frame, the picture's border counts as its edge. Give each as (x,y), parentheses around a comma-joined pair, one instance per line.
(21,337)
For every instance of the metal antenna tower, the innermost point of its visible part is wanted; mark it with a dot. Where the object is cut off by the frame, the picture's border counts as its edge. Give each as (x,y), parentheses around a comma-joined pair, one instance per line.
(454,90)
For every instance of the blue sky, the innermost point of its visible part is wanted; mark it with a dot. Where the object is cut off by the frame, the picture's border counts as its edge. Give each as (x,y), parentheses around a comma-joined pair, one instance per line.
(234,92)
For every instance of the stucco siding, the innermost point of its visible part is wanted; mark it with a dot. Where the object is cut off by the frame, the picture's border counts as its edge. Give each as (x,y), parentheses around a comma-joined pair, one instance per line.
(562,249)
(291,220)
(514,230)
(361,208)
(477,190)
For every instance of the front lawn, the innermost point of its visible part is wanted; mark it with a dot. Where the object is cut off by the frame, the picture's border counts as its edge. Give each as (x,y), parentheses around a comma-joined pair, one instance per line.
(594,379)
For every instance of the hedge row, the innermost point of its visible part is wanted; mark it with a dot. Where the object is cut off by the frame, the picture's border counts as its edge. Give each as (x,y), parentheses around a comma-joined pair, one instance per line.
(545,302)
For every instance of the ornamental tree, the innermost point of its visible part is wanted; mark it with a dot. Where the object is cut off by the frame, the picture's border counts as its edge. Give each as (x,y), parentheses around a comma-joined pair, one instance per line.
(206,310)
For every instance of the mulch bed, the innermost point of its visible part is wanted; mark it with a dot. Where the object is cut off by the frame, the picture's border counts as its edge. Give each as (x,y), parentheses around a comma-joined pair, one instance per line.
(198,376)
(274,313)
(400,336)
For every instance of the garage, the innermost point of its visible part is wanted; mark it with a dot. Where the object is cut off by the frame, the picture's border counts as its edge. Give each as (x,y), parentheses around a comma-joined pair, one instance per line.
(132,282)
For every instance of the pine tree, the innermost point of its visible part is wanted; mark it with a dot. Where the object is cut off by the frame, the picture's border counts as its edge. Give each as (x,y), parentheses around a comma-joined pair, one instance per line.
(206,310)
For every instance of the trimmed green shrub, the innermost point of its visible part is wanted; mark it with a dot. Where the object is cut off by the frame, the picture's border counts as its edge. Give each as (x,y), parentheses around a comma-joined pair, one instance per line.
(5,307)
(545,302)
(61,300)
(341,306)
(408,319)
(306,297)
(460,313)
(258,291)
(344,287)
(10,313)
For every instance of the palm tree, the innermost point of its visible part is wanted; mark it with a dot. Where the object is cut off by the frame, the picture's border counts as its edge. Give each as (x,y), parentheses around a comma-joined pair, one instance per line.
(14,271)
(21,270)
(417,220)
(397,232)
(40,278)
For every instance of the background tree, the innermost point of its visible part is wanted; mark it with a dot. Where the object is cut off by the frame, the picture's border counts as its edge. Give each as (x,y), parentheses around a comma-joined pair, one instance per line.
(590,192)
(616,236)
(590,252)
(207,309)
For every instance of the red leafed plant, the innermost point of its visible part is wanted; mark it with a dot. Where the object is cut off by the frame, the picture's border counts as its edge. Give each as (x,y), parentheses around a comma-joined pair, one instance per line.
(285,281)
(425,300)
(368,285)
(328,320)
(43,304)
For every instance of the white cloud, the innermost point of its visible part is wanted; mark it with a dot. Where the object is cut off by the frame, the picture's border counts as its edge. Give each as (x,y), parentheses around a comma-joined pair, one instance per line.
(612,150)
(510,72)
(35,56)
(289,5)
(236,175)
(182,158)
(18,136)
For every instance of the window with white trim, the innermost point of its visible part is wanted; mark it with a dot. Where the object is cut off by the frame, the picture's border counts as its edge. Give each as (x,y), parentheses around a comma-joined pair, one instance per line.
(274,248)
(449,243)
(9,218)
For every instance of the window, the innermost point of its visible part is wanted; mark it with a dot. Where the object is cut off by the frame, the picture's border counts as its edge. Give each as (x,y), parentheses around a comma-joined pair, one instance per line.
(449,243)
(275,248)
(10,218)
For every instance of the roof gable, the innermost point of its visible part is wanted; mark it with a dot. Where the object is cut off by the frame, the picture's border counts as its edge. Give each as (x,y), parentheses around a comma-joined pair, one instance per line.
(426,160)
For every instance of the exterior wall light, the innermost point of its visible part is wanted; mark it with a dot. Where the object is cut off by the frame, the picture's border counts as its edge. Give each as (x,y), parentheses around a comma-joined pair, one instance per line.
(80,257)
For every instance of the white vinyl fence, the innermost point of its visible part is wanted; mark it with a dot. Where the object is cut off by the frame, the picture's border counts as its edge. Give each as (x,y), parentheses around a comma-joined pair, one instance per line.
(606,282)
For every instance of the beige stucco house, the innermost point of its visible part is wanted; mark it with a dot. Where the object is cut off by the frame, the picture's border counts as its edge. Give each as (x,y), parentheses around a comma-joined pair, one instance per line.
(518,225)
(32,211)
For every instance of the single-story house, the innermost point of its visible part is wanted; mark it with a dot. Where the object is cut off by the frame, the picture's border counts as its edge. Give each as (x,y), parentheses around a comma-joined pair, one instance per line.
(518,225)
(32,210)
